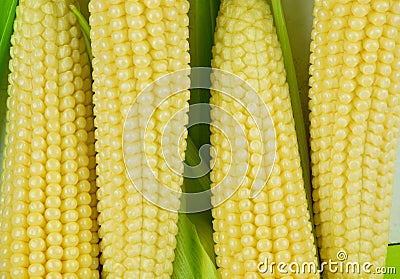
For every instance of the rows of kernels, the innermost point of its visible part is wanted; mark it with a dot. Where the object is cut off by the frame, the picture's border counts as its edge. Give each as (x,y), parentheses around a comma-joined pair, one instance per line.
(226,222)
(172,113)
(358,145)
(384,123)
(46,142)
(16,163)
(141,60)
(136,53)
(107,111)
(86,173)
(274,225)
(57,49)
(53,179)
(349,130)
(289,216)
(361,229)
(72,145)
(324,50)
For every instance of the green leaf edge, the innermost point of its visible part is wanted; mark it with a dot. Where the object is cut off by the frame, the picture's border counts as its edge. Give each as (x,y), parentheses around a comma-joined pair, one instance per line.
(183,264)
(5,38)
(300,127)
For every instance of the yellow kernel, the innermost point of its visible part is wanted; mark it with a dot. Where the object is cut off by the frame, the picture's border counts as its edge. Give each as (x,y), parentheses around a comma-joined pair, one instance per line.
(278,219)
(70,240)
(19,260)
(37,257)
(35,219)
(36,270)
(52,214)
(35,231)
(152,3)
(69,216)
(37,244)
(70,266)
(54,252)
(134,8)
(283,256)
(71,253)
(53,265)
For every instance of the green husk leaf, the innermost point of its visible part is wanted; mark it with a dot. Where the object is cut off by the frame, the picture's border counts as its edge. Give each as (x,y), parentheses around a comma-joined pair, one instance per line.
(7,15)
(202,15)
(193,159)
(195,264)
(283,37)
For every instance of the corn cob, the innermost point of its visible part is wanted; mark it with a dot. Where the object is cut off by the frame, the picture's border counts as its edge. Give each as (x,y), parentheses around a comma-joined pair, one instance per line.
(134,43)
(45,225)
(354,127)
(275,224)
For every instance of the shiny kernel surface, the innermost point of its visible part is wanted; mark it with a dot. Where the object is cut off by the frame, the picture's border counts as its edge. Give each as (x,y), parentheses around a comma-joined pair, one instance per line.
(347,129)
(247,229)
(135,43)
(49,75)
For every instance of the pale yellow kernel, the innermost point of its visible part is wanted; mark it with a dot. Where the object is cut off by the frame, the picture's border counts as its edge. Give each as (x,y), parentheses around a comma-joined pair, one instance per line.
(37,244)
(70,253)
(278,219)
(141,48)
(84,262)
(35,219)
(69,216)
(134,8)
(35,231)
(36,270)
(152,3)
(70,240)
(154,15)
(53,177)
(54,252)
(70,266)
(37,257)
(53,189)
(53,265)
(245,205)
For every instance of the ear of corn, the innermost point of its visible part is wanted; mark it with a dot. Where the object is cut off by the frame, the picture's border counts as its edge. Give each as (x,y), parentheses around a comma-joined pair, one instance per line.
(275,224)
(133,44)
(45,224)
(354,126)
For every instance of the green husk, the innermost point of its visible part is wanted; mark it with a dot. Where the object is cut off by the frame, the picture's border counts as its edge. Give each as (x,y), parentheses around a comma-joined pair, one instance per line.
(7,15)
(191,258)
